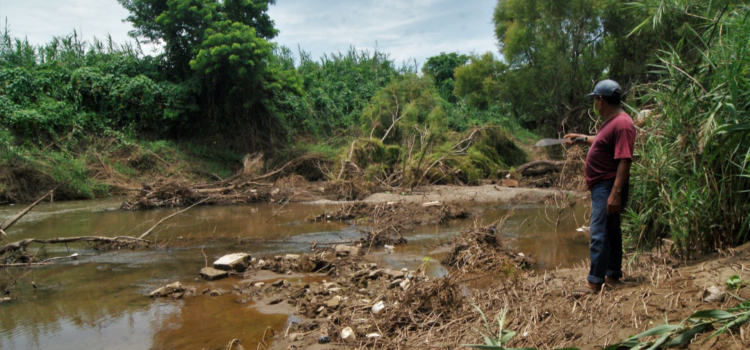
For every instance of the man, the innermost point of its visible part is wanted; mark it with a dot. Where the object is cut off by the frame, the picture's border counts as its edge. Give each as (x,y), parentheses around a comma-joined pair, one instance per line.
(607,173)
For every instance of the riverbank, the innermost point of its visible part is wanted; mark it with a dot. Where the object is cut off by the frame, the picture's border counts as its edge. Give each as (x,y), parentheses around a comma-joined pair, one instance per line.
(539,305)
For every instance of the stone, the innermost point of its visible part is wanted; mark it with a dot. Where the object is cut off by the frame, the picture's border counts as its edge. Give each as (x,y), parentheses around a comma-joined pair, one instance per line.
(509,183)
(306,264)
(167,290)
(233,262)
(347,334)
(393,274)
(298,293)
(405,284)
(345,250)
(395,283)
(333,302)
(211,273)
(296,336)
(713,294)
(278,283)
(291,257)
(259,284)
(329,285)
(375,274)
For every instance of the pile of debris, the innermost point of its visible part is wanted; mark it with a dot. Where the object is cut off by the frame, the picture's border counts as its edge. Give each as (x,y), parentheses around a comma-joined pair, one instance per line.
(483,249)
(384,223)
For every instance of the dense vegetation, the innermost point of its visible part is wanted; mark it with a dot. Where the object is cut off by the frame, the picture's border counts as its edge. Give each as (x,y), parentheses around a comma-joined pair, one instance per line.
(106,116)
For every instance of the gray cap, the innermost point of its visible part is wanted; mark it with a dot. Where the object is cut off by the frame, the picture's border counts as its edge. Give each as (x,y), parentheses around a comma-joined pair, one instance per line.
(606,88)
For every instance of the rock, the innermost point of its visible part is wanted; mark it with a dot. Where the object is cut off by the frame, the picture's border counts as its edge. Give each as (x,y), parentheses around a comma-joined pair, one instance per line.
(296,336)
(378,307)
(278,283)
(329,285)
(509,183)
(347,334)
(405,284)
(334,290)
(320,309)
(713,294)
(233,262)
(395,283)
(167,290)
(334,302)
(211,273)
(393,274)
(305,264)
(375,274)
(298,293)
(345,250)
(259,284)
(291,257)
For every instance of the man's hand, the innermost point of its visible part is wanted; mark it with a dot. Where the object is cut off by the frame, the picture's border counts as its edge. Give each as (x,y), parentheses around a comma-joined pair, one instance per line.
(572,137)
(614,203)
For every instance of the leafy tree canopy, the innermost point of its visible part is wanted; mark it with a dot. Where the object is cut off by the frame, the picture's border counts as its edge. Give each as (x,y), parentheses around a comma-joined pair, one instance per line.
(441,68)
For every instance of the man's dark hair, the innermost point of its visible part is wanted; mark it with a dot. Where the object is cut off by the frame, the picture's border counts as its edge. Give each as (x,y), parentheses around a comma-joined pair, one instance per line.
(613,100)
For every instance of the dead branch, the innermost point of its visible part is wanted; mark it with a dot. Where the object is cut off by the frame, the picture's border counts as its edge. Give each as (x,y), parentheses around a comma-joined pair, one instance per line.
(8,223)
(148,232)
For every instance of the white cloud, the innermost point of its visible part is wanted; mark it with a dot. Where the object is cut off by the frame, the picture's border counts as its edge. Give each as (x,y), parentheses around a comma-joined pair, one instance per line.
(414,29)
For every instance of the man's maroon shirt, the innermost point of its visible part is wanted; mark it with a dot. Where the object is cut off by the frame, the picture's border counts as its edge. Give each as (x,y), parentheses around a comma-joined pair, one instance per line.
(614,141)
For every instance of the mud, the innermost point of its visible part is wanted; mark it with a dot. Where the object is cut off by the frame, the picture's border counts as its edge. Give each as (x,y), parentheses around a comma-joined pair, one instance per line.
(440,313)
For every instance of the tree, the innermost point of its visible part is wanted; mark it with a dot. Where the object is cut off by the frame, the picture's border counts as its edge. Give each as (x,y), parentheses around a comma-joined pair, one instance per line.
(221,50)
(557,47)
(441,69)
(181,24)
(481,81)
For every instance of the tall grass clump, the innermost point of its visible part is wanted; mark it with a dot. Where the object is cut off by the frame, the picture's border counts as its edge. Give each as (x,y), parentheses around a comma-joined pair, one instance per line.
(691,180)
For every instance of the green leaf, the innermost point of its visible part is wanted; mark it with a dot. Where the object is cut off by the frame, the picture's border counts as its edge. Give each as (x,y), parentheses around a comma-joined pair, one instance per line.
(656,331)
(715,314)
(507,337)
(688,335)
(484,347)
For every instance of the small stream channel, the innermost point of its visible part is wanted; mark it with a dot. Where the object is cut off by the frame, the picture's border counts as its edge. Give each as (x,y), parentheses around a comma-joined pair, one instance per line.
(98,301)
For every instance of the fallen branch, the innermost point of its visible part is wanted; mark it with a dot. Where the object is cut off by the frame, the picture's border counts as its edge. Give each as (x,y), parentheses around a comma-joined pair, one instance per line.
(22,244)
(8,223)
(148,232)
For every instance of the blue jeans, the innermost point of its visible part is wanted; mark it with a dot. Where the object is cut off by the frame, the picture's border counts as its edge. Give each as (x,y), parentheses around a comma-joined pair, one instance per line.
(605,234)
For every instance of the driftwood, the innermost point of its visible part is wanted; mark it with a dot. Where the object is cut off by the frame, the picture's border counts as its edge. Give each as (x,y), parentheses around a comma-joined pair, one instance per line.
(22,244)
(540,167)
(8,223)
(148,232)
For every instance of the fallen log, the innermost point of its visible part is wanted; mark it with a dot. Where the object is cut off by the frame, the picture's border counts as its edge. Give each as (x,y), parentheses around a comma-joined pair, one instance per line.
(23,244)
(540,167)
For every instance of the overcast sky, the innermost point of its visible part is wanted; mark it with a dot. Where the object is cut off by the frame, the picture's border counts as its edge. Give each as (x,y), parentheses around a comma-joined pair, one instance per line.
(406,29)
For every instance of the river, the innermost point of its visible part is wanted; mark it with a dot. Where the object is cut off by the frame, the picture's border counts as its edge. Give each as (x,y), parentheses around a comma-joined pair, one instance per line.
(98,302)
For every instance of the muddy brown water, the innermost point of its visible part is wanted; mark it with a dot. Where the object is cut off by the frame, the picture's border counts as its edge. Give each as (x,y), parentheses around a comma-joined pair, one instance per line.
(97,301)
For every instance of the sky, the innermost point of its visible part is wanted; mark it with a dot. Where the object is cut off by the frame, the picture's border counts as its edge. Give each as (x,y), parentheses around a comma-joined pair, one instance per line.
(405,29)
